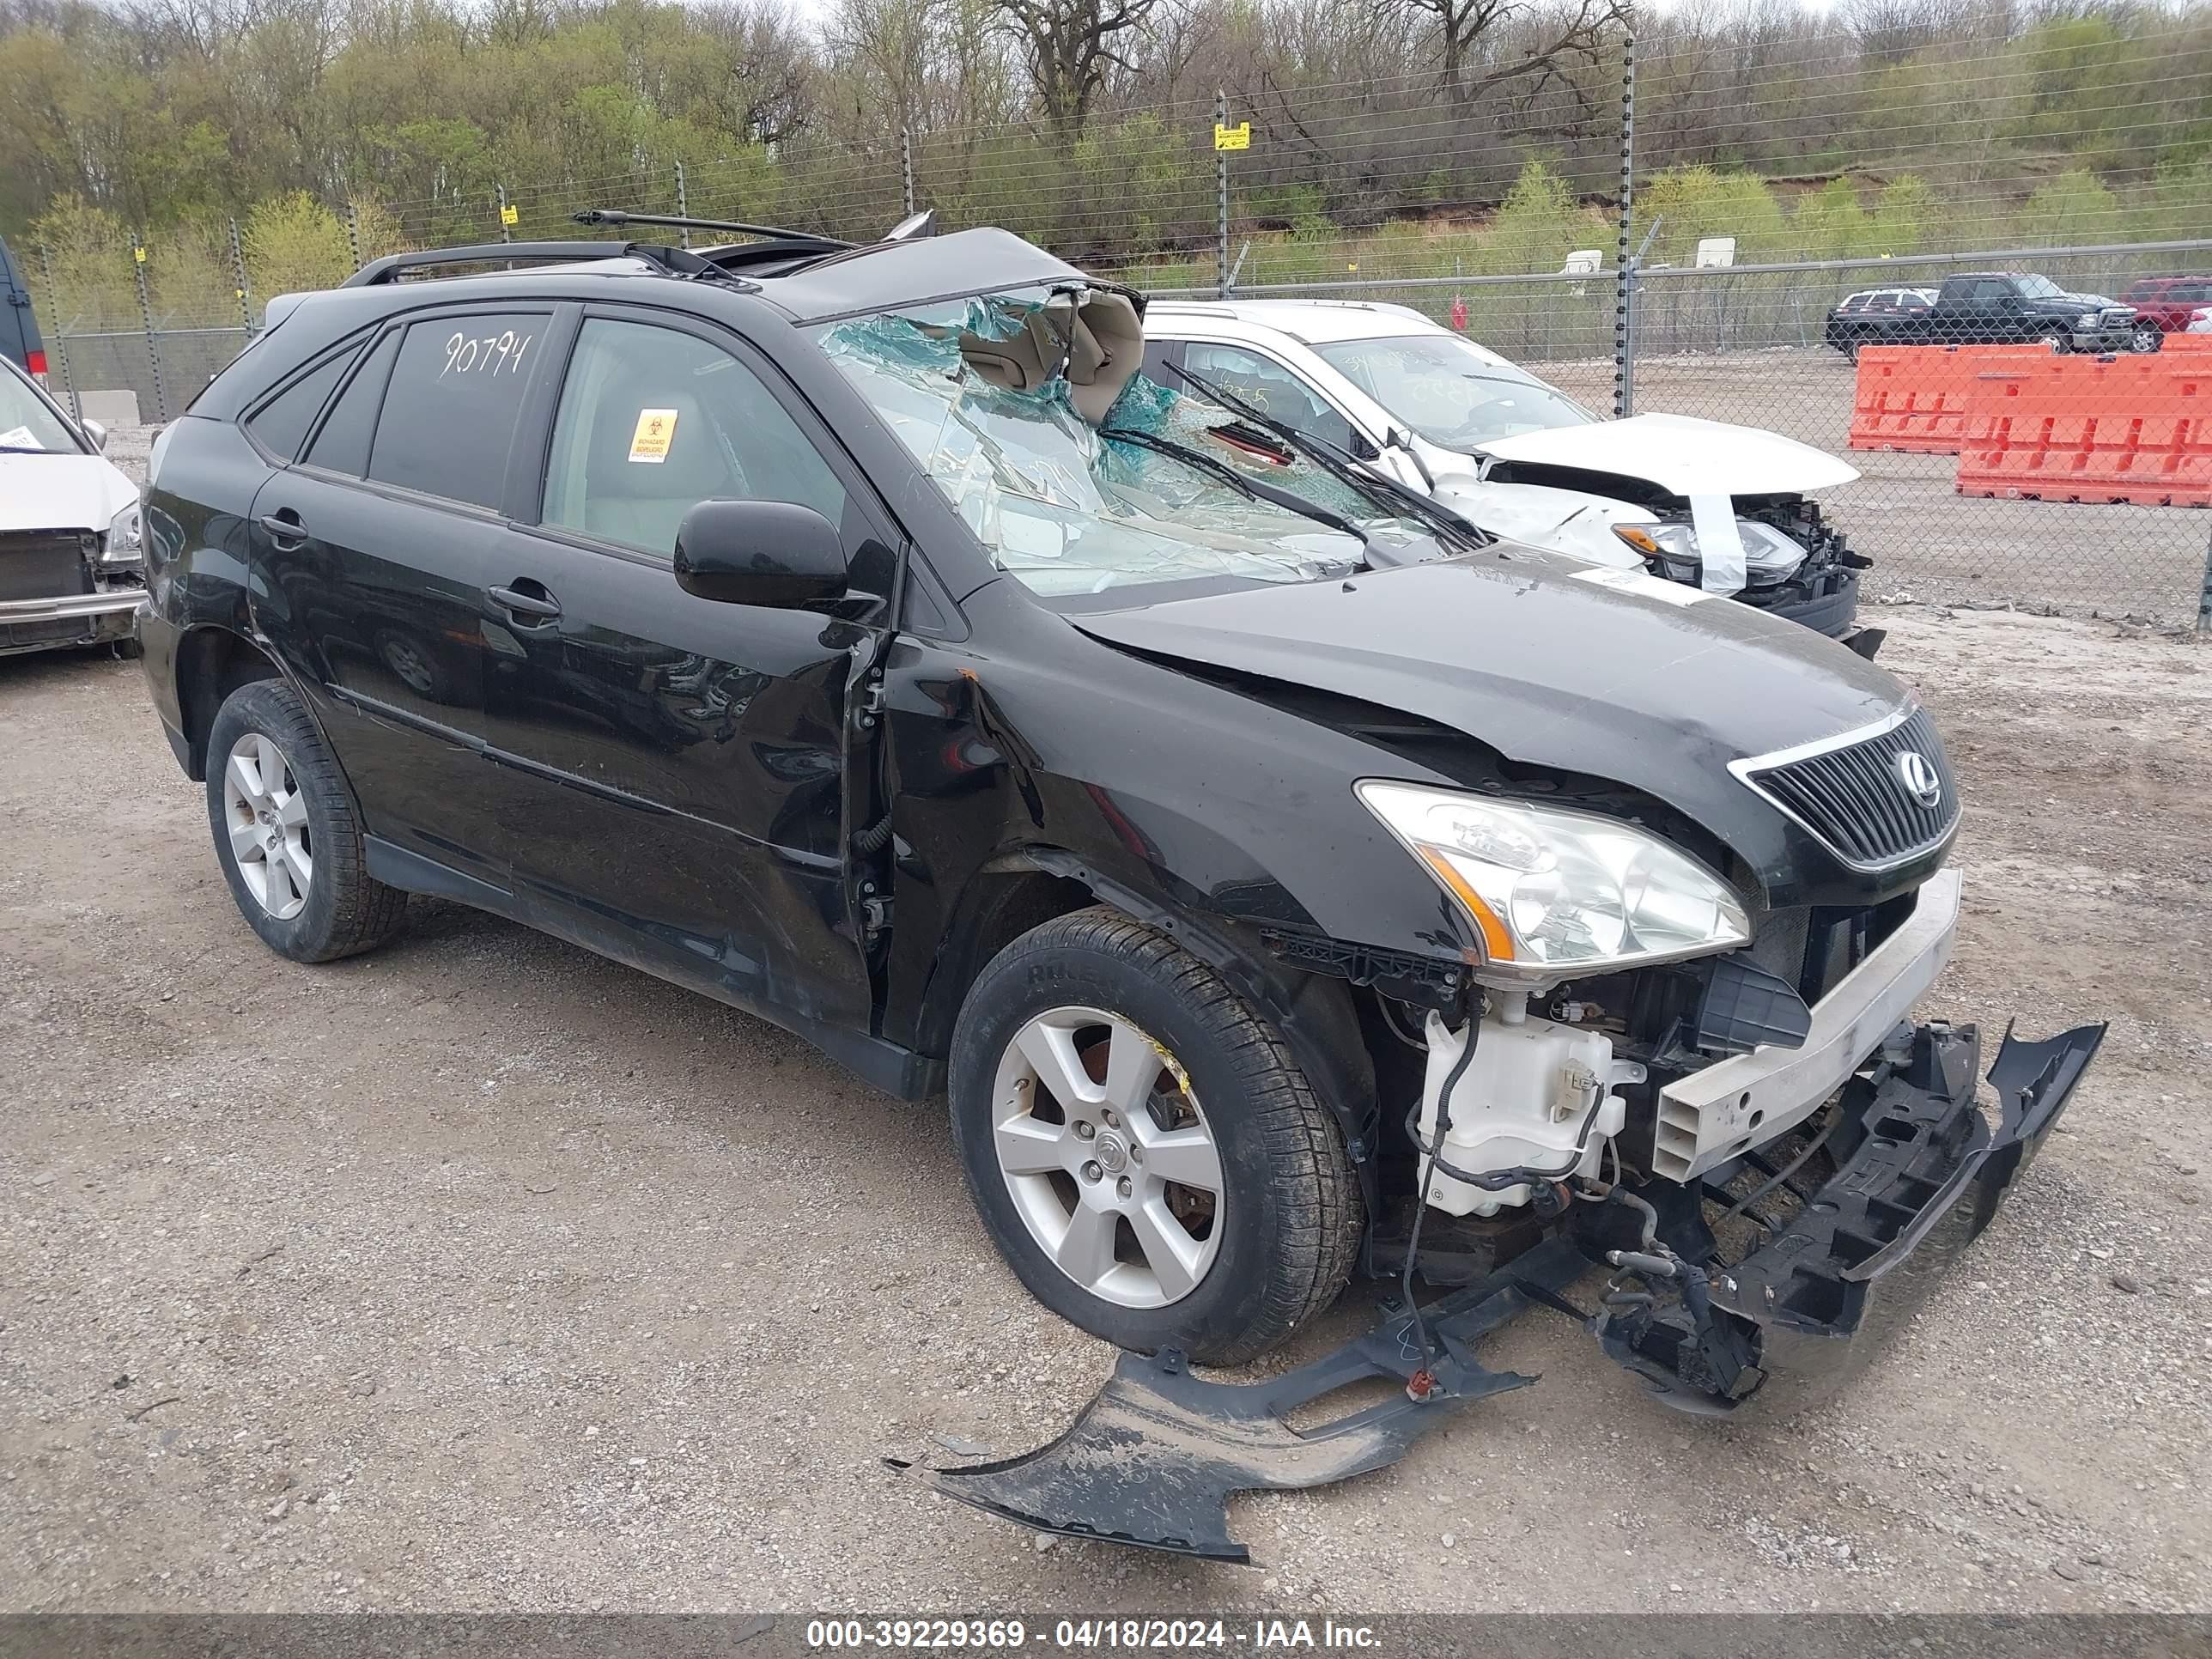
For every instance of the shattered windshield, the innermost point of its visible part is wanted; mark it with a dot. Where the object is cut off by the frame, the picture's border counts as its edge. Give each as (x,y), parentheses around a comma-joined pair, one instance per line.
(1448,392)
(999,423)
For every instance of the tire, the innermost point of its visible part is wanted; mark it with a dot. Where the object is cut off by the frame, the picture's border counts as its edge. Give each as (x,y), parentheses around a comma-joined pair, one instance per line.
(2057,339)
(1275,1238)
(2146,337)
(296,864)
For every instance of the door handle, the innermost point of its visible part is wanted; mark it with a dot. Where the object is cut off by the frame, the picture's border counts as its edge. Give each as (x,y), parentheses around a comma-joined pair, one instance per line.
(286,533)
(538,607)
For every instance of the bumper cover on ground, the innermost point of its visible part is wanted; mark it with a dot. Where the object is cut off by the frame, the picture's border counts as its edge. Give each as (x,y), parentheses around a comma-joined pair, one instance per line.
(1154,1458)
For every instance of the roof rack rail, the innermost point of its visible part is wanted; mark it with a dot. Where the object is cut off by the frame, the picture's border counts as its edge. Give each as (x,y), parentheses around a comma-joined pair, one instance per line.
(678,221)
(674,261)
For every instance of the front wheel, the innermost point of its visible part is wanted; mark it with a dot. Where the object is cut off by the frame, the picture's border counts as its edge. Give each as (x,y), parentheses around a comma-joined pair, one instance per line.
(2147,337)
(1147,1156)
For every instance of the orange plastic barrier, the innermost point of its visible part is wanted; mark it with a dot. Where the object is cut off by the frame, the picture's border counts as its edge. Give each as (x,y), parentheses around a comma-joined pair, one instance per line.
(2187,342)
(2093,429)
(1914,397)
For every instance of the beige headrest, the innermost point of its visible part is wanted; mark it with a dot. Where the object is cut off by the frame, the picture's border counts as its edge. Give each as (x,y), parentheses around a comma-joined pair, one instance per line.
(1102,343)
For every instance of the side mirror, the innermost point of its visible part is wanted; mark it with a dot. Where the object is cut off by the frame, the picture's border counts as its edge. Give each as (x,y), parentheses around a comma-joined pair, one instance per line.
(775,554)
(97,432)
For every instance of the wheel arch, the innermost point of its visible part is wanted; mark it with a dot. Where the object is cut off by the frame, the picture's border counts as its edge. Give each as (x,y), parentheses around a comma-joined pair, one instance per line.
(1026,887)
(212,661)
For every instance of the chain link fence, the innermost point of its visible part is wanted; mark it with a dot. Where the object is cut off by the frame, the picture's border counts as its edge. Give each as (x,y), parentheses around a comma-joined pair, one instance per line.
(1579,243)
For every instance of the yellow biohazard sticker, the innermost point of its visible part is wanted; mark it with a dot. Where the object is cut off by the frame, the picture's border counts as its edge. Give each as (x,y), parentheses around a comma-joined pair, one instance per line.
(656,430)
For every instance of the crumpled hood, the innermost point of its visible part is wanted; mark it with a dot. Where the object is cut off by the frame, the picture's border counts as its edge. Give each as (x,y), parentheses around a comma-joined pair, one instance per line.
(1570,521)
(1683,454)
(1610,673)
(60,492)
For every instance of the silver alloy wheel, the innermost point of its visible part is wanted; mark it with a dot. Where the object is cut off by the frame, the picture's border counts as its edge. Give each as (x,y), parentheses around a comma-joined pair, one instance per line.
(2146,336)
(1109,1157)
(268,820)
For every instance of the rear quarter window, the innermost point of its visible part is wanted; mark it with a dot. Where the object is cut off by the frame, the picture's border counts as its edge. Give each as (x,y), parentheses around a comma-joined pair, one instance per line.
(280,425)
(454,403)
(342,445)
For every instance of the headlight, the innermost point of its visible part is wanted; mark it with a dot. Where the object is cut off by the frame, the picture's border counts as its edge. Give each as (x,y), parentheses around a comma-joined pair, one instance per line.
(1769,557)
(124,543)
(1556,890)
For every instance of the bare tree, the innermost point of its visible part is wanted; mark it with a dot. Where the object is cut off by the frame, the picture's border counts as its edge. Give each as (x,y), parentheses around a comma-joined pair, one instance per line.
(1482,45)
(1070,47)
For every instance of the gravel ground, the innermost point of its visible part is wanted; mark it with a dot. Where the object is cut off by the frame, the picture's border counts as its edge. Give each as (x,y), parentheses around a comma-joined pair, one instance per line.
(480,1273)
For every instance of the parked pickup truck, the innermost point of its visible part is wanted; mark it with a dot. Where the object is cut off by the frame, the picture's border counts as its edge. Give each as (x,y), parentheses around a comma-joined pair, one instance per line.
(1998,307)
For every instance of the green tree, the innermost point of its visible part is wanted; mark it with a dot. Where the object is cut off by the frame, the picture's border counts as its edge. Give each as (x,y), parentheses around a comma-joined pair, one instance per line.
(1535,226)
(294,242)
(1905,217)
(2075,207)
(1830,224)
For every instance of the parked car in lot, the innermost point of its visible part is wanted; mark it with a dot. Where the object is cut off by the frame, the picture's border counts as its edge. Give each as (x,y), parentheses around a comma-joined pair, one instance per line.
(1434,410)
(70,571)
(852,636)
(2171,304)
(2003,307)
(1861,316)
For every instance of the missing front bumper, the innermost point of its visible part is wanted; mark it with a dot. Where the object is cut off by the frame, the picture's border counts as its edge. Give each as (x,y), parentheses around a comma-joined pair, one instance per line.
(1154,1458)
(1917,1173)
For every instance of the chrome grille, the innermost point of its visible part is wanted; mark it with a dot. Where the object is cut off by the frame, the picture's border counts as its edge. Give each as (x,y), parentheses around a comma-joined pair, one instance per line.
(43,564)
(1855,798)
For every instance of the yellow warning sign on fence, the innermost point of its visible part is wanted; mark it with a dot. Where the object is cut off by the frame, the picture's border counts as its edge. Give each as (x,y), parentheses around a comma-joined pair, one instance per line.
(139,254)
(1237,137)
(509,216)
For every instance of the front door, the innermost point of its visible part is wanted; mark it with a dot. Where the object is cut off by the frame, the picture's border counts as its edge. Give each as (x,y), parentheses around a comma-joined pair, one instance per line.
(701,747)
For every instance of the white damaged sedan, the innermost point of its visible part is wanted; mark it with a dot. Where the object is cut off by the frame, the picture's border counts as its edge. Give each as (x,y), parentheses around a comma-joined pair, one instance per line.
(1714,507)
(71,566)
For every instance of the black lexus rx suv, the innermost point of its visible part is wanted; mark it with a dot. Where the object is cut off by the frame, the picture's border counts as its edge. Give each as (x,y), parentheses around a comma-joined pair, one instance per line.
(1281,878)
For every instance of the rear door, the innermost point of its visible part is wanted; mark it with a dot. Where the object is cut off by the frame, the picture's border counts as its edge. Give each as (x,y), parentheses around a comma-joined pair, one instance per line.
(388,543)
(701,747)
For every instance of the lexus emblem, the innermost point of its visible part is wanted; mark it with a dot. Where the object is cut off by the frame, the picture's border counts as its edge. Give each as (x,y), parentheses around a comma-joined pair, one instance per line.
(1917,773)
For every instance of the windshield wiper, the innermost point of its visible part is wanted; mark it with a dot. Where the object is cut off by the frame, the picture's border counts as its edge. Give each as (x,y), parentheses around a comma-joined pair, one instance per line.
(1251,488)
(1441,520)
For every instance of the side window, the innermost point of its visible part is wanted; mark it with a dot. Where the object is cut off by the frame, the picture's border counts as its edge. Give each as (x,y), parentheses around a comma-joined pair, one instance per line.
(1853,302)
(453,403)
(279,424)
(1161,357)
(653,421)
(1271,388)
(342,446)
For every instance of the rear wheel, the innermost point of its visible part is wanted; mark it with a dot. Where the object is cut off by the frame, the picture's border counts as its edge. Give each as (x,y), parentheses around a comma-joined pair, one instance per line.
(285,831)
(2057,338)
(1147,1156)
